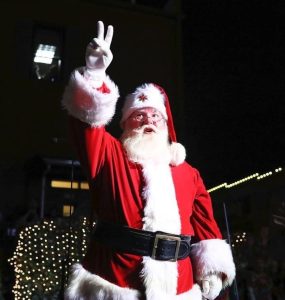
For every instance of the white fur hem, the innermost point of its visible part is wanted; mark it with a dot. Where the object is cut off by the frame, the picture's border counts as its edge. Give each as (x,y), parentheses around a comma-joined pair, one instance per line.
(86,103)
(213,256)
(193,294)
(86,286)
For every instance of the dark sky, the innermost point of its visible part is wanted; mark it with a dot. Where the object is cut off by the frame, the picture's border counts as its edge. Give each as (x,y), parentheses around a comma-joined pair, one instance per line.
(234,78)
(233,53)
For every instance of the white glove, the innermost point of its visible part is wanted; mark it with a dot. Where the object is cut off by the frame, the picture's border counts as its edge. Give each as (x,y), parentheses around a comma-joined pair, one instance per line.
(98,55)
(211,286)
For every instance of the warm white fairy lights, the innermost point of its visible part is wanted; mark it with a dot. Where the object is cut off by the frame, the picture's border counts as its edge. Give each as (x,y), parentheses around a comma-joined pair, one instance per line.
(228,186)
(264,175)
(217,187)
(239,239)
(256,176)
(40,255)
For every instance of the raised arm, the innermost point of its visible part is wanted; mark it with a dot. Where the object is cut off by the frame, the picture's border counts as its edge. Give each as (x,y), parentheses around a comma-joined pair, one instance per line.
(91,96)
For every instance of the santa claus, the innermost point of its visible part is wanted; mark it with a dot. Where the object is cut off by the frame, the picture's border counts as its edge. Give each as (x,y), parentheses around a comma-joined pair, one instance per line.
(155,235)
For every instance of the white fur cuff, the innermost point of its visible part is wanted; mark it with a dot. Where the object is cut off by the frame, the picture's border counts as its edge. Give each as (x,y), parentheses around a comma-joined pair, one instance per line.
(213,256)
(86,103)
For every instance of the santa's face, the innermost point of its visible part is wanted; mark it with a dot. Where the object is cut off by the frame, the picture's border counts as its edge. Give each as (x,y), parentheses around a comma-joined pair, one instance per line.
(148,117)
(145,136)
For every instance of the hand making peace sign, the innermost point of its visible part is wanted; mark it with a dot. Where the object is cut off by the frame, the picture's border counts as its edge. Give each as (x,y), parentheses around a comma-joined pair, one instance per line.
(98,54)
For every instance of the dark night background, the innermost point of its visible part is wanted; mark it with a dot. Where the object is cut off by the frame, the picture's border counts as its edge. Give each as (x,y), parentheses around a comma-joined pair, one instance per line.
(228,73)
(221,63)
(234,77)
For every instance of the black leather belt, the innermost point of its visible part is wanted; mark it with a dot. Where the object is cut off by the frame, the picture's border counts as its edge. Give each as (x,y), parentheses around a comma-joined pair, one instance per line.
(158,245)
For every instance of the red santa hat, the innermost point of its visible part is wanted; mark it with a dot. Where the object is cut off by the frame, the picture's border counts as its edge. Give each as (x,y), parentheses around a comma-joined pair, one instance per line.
(152,95)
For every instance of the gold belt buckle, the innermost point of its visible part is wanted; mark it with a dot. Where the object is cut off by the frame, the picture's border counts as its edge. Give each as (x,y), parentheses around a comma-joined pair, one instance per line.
(158,237)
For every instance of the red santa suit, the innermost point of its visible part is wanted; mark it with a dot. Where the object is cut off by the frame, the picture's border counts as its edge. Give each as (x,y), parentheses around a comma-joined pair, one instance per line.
(167,195)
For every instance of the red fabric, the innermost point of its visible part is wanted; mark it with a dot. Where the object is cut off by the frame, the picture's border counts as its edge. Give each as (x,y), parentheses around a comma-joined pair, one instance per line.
(170,124)
(116,186)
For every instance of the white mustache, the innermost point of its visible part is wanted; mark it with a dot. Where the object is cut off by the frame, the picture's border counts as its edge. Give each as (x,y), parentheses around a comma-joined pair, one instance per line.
(141,129)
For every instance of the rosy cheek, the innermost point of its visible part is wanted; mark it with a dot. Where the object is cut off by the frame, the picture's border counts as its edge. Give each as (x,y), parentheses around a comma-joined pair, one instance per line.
(132,124)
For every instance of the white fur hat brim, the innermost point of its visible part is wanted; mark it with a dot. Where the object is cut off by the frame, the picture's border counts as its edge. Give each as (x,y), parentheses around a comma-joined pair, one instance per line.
(146,95)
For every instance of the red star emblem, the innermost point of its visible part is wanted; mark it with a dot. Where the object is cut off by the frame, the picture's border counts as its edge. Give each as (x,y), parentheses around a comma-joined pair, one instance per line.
(142,97)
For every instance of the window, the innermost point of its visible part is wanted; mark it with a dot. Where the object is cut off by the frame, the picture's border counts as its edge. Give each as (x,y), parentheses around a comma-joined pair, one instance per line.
(67,210)
(47,54)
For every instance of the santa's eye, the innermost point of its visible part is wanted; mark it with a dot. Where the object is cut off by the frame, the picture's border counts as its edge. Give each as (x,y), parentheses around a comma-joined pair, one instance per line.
(154,117)
(139,117)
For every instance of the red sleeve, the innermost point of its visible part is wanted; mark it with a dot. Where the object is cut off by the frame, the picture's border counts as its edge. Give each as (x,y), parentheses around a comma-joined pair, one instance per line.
(90,142)
(202,219)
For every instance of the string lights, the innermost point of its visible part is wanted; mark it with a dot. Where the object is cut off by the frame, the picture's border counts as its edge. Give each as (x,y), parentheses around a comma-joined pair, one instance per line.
(256,176)
(239,239)
(217,187)
(84,185)
(43,256)
(45,251)
(264,175)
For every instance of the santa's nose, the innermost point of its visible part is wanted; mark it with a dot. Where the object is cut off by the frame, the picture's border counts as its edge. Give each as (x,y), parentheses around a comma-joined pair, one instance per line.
(148,120)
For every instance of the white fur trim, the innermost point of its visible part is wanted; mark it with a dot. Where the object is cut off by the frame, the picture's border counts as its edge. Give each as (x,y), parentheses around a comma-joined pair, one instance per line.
(160,278)
(213,256)
(161,210)
(193,294)
(86,103)
(160,214)
(86,286)
(154,98)
(177,153)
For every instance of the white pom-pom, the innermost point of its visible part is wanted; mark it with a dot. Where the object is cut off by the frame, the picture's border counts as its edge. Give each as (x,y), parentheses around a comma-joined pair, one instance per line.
(178,154)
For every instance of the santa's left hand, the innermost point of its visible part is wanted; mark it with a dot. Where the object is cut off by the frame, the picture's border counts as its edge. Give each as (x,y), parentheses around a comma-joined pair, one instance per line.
(211,286)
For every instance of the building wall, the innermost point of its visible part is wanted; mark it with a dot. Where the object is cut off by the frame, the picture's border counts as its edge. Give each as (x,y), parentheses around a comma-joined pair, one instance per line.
(146,48)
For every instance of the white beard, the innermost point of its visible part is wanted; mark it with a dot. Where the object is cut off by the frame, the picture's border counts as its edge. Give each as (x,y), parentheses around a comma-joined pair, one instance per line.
(143,147)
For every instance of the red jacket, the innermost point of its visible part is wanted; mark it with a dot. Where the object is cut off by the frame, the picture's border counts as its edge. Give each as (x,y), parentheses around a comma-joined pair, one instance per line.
(151,196)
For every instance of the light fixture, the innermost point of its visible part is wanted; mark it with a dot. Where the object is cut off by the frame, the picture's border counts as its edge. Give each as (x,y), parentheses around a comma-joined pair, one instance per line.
(45,54)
